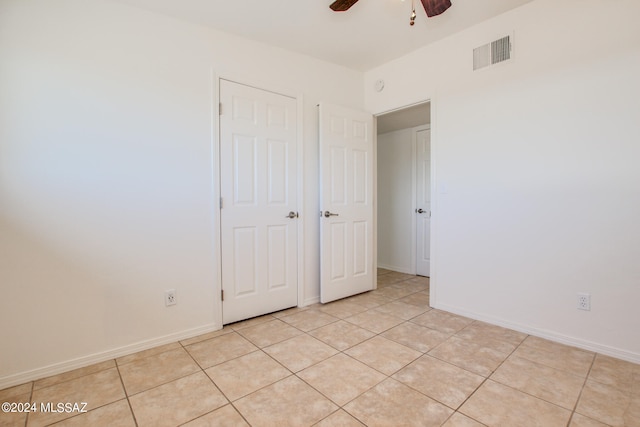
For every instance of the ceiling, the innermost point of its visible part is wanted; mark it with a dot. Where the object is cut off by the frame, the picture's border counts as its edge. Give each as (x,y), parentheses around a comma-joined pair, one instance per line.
(369,34)
(413,116)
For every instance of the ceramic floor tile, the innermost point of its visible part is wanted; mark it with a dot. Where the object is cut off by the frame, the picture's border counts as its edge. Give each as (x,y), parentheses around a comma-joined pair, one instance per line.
(617,373)
(96,390)
(459,420)
(442,321)
(490,336)
(339,419)
(206,336)
(251,322)
(341,378)
(146,353)
(177,402)
(368,300)
(289,402)
(383,355)
(343,362)
(418,280)
(154,370)
(400,309)
(439,380)
(11,419)
(293,310)
(19,390)
(609,405)
(220,349)
(341,309)
(117,414)
(468,355)
(309,320)
(300,352)
(419,299)
(392,403)
(382,271)
(416,337)
(342,335)
(410,287)
(246,374)
(555,355)
(552,385)
(494,404)
(392,292)
(578,420)
(374,321)
(76,373)
(226,416)
(389,279)
(269,333)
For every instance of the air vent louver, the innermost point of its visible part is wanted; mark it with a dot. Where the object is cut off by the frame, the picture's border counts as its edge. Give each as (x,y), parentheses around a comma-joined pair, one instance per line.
(492,53)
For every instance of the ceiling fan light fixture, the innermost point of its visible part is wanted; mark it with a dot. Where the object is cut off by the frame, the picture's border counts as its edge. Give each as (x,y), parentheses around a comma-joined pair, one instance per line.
(342,5)
(412,19)
(435,7)
(432,7)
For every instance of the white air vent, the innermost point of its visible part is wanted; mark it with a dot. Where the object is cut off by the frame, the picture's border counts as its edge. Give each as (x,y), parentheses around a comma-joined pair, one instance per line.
(492,53)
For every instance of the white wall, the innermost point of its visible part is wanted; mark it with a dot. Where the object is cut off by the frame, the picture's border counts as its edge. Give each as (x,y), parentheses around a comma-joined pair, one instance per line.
(107,181)
(395,199)
(536,170)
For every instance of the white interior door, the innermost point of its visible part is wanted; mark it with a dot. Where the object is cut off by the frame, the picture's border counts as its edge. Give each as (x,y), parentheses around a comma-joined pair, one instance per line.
(346,201)
(423,201)
(258,193)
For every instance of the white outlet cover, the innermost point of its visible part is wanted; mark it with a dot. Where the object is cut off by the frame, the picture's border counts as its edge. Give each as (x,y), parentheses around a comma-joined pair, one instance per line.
(584,301)
(170,297)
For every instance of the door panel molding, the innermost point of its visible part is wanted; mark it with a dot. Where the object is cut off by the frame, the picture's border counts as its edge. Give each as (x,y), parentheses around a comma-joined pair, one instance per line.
(347,235)
(277,188)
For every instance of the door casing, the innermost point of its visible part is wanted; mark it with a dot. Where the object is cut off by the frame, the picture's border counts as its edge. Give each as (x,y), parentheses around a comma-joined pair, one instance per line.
(432,245)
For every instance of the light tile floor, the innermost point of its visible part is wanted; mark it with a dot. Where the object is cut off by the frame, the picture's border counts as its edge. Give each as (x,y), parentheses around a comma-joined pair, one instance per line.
(383,358)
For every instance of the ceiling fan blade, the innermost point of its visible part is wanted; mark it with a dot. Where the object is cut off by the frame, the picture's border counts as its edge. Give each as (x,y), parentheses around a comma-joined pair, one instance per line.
(435,7)
(342,5)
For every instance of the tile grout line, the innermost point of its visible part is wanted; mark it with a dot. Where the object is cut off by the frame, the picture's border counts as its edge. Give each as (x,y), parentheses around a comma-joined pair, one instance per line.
(487,378)
(584,383)
(230,402)
(26,419)
(126,395)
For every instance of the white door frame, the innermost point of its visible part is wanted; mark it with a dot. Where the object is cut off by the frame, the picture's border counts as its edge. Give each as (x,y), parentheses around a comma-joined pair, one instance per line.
(432,245)
(216,182)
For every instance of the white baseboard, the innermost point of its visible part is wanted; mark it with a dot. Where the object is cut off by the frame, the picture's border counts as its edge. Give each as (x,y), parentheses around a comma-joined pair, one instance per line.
(395,268)
(311,301)
(81,362)
(543,333)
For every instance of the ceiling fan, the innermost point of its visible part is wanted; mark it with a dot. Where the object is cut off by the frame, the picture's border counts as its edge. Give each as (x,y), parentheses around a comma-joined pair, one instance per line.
(432,7)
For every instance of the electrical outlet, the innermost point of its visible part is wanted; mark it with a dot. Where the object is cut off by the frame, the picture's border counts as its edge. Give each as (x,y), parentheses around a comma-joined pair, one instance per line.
(584,301)
(170,297)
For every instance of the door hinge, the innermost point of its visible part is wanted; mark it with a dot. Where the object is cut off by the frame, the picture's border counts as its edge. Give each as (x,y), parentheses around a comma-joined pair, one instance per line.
(220,202)
(222,295)
(220,109)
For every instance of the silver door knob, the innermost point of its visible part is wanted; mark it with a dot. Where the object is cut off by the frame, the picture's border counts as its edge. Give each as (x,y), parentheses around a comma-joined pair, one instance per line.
(292,214)
(420,210)
(327,214)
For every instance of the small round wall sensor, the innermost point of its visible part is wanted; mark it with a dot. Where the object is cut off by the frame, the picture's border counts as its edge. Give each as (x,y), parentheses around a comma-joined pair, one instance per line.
(379,85)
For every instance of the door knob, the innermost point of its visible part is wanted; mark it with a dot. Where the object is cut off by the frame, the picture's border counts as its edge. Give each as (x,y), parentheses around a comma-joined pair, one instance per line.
(292,214)
(420,210)
(327,214)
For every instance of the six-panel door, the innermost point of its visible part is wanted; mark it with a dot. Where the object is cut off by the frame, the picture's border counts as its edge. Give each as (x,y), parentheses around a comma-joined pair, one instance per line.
(346,193)
(258,188)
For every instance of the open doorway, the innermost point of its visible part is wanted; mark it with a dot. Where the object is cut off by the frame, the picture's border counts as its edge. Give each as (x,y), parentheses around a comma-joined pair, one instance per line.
(404,184)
